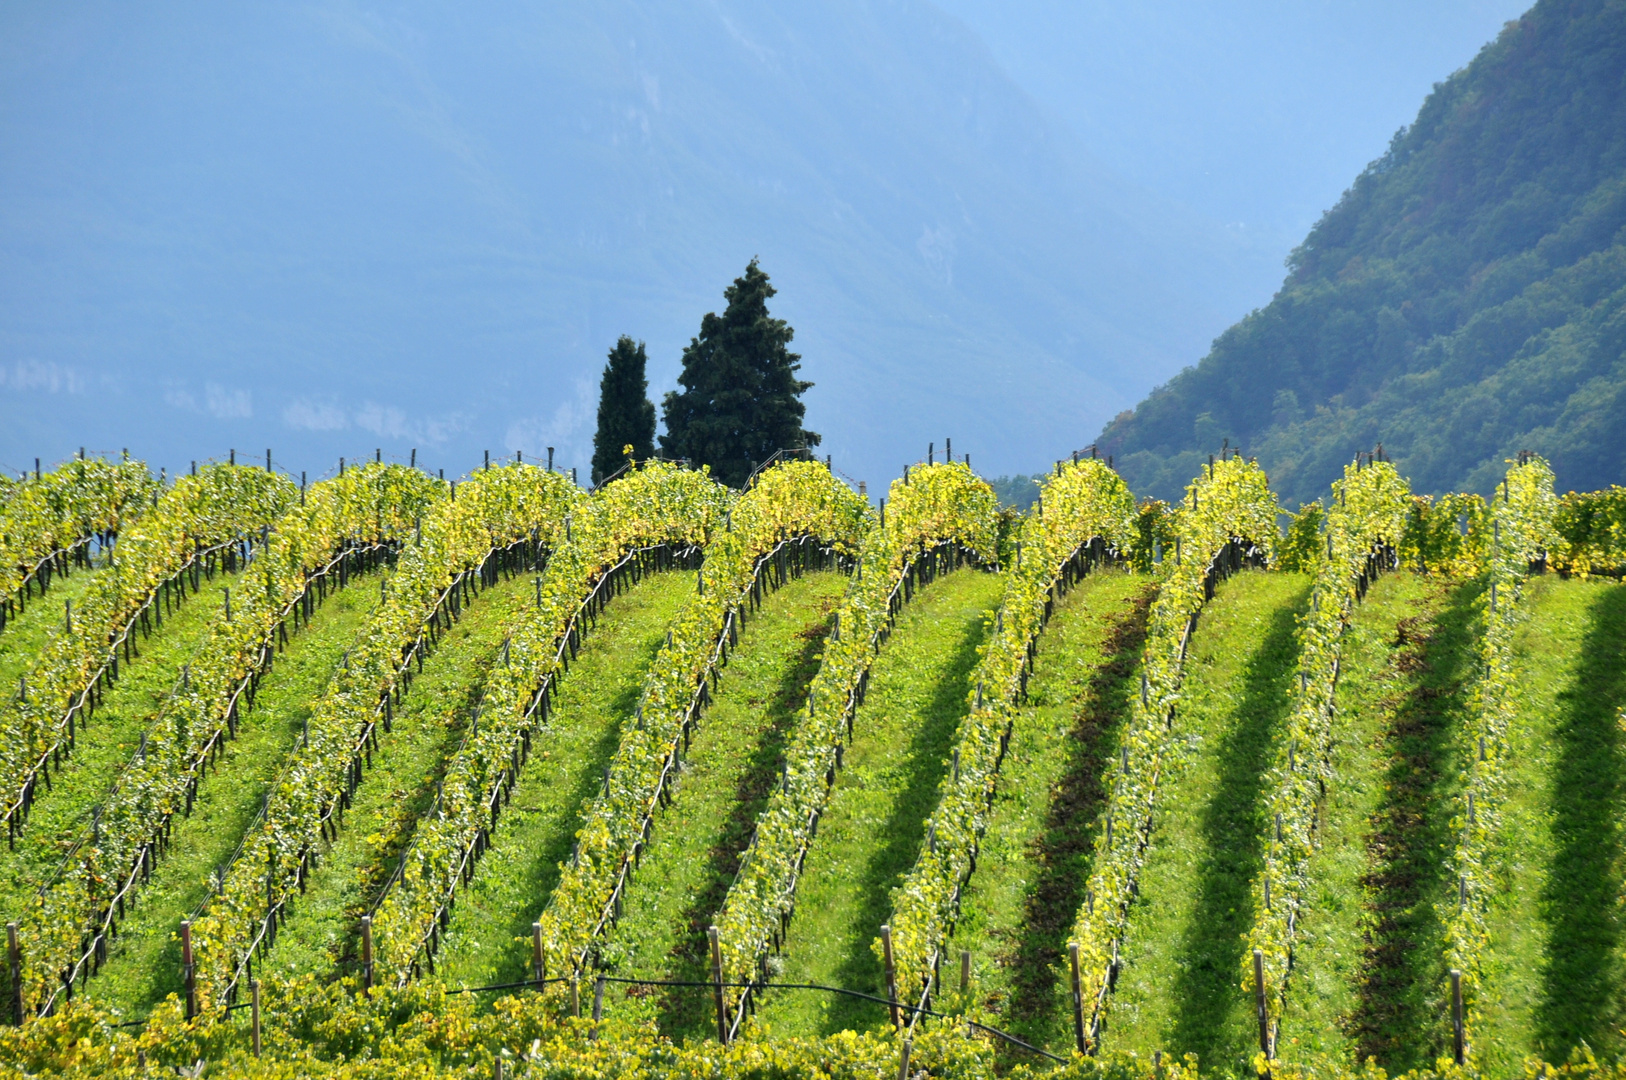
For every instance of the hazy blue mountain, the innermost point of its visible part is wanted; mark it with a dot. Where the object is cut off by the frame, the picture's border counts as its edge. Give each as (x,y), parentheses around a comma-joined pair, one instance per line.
(1254,113)
(327,228)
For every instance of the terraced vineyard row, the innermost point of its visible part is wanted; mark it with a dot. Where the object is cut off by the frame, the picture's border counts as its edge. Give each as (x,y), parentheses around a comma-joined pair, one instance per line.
(802,783)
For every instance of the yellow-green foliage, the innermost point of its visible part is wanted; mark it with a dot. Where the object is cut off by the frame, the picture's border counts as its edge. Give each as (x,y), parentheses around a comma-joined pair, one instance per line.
(790,500)
(1301,550)
(1229,502)
(492,510)
(934,504)
(1369,511)
(364,506)
(1592,526)
(73,501)
(222,502)
(1084,501)
(657,503)
(1522,535)
(422,1032)
(1154,532)
(1448,536)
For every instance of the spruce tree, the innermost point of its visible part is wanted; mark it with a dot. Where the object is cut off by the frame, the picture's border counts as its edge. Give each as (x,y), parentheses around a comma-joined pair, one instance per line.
(626,416)
(740,399)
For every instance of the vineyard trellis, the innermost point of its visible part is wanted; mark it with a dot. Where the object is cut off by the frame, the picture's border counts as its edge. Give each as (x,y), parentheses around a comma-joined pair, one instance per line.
(499,521)
(49,522)
(1228,521)
(1363,528)
(942,517)
(660,506)
(202,520)
(794,510)
(347,525)
(1084,518)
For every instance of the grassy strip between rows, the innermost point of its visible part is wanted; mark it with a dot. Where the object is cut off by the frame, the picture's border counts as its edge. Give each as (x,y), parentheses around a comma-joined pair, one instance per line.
(727,774)
(488,941)
(1178,989)
(320,935)
(1556,966)
(27,632)
(104,744)
(1399,1015)
(144,960)
(1379,654)
(872,829)
(1034,859)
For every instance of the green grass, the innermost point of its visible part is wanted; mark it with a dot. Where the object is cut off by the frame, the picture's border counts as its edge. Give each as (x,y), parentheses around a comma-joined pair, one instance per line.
(319,935)
(144,959)
(725,781)
(1184,945)
(1371,953)
(105,743)
(1018,908)
(1378,649)
(873,827)
(1555,973)
(488,941)
(26,634)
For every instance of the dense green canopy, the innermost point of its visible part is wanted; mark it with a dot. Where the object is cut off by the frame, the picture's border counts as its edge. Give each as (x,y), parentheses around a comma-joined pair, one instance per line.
(741,400)
(1464,300)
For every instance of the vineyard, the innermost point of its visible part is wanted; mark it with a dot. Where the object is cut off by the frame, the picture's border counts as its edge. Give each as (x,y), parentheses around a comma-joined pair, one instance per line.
(387,775)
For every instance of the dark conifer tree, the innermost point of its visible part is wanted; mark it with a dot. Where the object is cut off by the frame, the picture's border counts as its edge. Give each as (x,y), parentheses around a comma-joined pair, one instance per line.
(740,399)
(626,416)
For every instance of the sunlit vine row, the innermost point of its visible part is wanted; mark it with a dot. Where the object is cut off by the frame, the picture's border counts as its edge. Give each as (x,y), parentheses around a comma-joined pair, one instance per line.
(789,501)
(1226,508)
(1591,526)
(655,504)
(43,519)
(67,927)
(492,511)
(1523,510)
(1085,513)
(218,505)
(1364,525)
(931,506)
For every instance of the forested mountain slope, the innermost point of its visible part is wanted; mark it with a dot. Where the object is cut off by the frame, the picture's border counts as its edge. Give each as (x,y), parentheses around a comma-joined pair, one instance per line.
(1465,299)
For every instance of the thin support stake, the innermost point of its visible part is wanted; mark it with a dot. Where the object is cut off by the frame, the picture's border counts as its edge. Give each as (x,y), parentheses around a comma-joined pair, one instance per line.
(717,985)
(891,977)
(254,1011)
(1459,1040)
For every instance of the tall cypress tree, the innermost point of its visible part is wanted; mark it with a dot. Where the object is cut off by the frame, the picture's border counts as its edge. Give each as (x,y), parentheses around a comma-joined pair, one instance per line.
(741,399)
(626,416)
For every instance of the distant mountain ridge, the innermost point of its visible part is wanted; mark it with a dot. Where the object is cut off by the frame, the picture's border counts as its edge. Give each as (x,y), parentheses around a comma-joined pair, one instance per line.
(1464,300)
(328,228)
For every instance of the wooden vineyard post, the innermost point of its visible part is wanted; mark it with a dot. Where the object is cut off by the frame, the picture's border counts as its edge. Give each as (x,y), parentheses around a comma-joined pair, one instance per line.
(254,1013)
(1459,1047)
(14,967)
(575,996)
(367,953)
(1259,1002)
(903,1059)
(717,985)
(188,971)
(965,970)
(891,977)
(598,1005)
(539,968)
(1078,998)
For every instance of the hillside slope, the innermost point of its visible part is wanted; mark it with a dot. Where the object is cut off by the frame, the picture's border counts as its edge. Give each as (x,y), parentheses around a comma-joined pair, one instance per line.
(1463,300)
